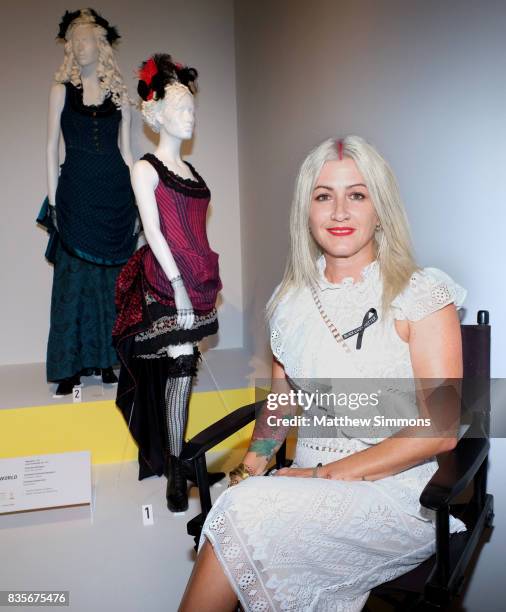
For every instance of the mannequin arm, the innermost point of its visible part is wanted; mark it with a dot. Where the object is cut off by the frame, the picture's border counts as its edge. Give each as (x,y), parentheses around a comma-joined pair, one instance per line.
(144,182)
(56,102)
(124,137)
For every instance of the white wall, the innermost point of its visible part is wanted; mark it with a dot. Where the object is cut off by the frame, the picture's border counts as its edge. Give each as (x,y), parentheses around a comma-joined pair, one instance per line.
(424,81)
(198,32)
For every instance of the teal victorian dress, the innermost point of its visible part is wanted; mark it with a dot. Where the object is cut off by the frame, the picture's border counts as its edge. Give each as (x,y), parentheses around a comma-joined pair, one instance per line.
(96,213)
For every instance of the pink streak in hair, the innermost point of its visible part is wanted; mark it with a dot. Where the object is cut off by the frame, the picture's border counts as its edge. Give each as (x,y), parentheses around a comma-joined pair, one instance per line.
(340,149)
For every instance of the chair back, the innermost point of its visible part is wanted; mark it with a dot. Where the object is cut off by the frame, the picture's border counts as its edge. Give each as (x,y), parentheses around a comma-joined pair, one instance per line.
(476,377)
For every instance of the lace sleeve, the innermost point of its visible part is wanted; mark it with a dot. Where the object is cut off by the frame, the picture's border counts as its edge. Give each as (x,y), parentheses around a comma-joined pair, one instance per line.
(277,327)
(276,343)
(429,290)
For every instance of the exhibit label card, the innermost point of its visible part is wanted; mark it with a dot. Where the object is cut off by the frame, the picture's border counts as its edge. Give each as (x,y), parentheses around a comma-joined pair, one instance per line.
(45,481)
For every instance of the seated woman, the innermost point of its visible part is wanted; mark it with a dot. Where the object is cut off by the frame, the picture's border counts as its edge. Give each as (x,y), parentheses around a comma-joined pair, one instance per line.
(347,517)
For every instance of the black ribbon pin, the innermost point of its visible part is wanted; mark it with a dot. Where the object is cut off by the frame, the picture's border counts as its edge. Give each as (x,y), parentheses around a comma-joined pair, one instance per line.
(370,317)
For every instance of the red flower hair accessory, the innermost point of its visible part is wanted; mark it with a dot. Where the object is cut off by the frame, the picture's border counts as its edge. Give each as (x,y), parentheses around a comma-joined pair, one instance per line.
(159,71)
(146,74)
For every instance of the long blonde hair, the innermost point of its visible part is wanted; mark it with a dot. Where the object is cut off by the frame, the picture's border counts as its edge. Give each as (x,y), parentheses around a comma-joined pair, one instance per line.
(393,242)
(109,75)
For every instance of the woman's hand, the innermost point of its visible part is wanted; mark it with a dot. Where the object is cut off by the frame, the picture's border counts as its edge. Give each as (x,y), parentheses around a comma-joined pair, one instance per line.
(298,472)
(251,465)
(331,471)
(240,473)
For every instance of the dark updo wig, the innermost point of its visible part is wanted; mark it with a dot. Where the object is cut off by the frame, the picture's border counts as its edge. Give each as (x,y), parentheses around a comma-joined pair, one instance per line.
(159,71)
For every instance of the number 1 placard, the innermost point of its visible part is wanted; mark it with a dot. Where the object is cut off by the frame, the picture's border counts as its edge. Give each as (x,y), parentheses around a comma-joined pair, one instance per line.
(147,515)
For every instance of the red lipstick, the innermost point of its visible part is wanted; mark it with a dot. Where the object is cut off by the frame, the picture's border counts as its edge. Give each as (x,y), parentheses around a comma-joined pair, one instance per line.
(341,231)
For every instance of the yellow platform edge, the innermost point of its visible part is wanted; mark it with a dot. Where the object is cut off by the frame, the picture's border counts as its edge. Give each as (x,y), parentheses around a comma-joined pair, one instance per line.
(100,428)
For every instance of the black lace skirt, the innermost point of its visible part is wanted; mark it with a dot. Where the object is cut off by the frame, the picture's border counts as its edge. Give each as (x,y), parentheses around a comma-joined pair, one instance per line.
(160,329)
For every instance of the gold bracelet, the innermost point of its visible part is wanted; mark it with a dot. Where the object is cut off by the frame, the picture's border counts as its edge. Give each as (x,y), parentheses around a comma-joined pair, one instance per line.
(240,472)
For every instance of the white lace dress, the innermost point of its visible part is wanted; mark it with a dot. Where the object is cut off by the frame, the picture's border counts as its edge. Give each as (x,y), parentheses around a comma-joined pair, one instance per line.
(301,544)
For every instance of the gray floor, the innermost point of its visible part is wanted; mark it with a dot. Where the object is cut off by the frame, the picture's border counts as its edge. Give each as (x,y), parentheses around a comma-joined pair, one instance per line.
(109,561)
(25,385)
(104,555)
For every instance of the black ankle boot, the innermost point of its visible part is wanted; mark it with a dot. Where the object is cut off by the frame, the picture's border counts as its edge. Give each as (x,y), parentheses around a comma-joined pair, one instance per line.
(109,377)
(66,385)
(177,493)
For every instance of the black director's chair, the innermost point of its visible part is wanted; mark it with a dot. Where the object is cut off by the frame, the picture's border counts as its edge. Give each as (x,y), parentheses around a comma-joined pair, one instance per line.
(462,473)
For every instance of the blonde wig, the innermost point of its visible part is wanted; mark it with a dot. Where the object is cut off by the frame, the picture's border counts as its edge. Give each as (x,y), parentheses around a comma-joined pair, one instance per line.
(393,243)
(151,108)
(109,75)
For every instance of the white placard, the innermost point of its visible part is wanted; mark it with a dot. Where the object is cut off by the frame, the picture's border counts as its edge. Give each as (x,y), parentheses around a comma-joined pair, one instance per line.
(147,514)
(45,481)
(77,394)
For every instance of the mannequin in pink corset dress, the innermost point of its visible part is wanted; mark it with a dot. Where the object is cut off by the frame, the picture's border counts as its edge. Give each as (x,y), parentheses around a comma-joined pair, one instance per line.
(166,294)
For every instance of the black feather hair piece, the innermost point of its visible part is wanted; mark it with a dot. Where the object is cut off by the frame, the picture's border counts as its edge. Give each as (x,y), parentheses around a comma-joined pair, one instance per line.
(161,70)
(112,32)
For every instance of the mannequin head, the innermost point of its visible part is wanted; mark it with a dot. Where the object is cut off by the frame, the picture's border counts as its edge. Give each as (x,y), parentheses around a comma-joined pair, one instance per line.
(176,113)
(84,40)
(87,39)
(166,89)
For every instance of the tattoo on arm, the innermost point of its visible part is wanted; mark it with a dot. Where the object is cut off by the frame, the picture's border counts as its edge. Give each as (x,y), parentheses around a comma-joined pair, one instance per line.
(264,448)
(268,438)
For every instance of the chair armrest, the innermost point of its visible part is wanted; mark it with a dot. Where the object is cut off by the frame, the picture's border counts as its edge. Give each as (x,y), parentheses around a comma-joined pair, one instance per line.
(219,431)
(456,470)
